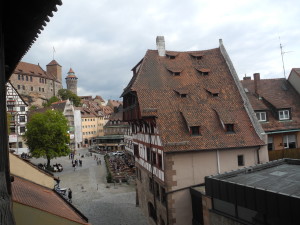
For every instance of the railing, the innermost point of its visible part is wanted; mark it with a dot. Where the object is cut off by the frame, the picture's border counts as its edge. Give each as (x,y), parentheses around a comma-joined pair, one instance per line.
(284,153)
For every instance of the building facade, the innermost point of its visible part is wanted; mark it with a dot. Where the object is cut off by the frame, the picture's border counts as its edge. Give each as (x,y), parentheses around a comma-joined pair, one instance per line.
(36,85)
(277,107)
(189,118)
(17,108)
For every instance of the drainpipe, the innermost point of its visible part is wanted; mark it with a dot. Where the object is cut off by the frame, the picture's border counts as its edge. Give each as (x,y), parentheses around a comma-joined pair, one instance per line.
(218,161)
(257,152)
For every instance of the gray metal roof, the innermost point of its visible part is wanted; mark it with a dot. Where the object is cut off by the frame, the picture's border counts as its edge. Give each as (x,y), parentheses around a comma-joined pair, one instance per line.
(282,176)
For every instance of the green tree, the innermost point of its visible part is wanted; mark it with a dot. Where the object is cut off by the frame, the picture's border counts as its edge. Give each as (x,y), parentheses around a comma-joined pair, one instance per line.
(47,135)
(8,117)
(51,100)
(65,94)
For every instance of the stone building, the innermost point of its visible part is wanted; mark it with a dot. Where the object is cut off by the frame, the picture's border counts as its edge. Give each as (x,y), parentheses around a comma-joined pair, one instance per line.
(71,81)
(35,84)
(189,118)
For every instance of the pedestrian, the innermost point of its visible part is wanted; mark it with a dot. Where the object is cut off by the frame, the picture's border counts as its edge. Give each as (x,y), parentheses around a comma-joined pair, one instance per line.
(74,166)
(100,161)
(70,195)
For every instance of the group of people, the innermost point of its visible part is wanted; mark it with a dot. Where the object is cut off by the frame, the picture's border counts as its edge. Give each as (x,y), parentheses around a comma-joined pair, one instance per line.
(98,160)
(76,162)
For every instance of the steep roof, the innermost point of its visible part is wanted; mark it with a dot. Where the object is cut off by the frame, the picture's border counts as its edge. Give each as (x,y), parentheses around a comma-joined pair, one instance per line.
(33,69)
(45,199)
(275,94)
(52,63)
(212,99)
(60,106)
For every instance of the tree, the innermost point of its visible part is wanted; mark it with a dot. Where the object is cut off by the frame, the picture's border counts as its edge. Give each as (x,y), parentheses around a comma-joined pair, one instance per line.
(65,94)
(8,122)
(51,100)
(47,135)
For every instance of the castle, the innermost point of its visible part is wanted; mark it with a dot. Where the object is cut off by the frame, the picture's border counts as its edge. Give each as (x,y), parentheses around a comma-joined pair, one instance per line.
(37,85)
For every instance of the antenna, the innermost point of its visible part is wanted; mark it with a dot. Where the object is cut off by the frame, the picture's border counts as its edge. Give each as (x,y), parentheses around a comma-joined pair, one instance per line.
(282,53)
(53,52)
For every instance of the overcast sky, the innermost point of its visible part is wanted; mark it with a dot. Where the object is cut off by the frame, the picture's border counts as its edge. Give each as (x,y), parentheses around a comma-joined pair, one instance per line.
(102,40)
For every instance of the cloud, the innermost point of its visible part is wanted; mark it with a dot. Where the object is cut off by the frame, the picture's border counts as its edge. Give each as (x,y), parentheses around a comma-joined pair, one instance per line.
(103,40)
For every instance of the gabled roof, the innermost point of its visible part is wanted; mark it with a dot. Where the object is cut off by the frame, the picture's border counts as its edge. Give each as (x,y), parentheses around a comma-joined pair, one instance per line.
(156,89)
(274,94)
(60,106)
(52,63)
(44,199)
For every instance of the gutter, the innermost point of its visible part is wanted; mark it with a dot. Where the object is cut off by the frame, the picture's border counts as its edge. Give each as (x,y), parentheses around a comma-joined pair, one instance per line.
(281,131)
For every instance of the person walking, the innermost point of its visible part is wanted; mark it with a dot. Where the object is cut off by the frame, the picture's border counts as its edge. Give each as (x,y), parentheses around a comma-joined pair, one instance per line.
(70,195)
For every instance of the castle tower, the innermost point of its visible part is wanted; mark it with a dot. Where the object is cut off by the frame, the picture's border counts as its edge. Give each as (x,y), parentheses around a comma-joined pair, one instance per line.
(55,69)
(71,81)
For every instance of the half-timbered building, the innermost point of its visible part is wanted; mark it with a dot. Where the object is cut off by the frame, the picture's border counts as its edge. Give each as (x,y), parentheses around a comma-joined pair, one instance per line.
(189,118)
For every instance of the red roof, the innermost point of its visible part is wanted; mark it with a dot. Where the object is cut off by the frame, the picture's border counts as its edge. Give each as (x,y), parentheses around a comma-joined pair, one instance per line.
(45,199)
(274,94)
(158,89)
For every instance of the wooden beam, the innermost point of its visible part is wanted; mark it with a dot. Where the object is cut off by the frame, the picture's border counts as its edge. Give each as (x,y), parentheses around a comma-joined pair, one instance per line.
(6,215)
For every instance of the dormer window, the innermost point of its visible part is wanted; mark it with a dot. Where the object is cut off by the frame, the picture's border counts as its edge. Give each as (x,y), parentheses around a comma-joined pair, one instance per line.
(197,56)
(183,95)
(175,72)
(171,55)
(261,116)
(203,71)
(229,128)
(213,92)
(284,114)
(195,130)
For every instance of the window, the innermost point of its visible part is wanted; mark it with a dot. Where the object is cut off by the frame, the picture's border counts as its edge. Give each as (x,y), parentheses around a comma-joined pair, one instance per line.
(19,77)
(31,88)
(183,95)
(159,161)
(156,188)
(22,108)
(31,78)
(20,144)
(26,78)
(151,211)
(270,143)
(154,158)
(163,196)
(23,87)
(43,90)
(284,114)
(39,89)
(176,73)
(22,129)
(150,184)
(195,130)
(19,87)
(22,77)
(229,128)
(22,118)
(10,108)
(148,154)
(261,116)
(136,151)
(240,160)
(289,141)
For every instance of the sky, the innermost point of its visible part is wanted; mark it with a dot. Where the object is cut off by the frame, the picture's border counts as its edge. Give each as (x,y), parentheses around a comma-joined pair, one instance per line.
(102,40)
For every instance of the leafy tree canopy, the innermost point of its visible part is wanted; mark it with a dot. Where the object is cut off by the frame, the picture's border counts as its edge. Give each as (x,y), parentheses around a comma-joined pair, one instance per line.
(47,135)
(51,100)
(65,94)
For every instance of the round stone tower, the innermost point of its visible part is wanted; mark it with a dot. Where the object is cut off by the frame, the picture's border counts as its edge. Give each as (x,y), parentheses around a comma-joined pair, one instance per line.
(71,81)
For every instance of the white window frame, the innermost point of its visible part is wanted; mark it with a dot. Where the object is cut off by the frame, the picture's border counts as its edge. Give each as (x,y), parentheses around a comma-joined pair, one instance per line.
(284,114)
(260,117)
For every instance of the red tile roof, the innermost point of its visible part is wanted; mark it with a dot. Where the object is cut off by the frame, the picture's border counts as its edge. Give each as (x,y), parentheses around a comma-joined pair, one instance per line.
(53,62)
(156,89)
(275,94)
(42,198)
(36,70)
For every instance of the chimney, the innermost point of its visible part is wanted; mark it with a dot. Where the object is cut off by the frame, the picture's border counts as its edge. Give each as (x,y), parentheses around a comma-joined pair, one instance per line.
(256,82)
(160,44)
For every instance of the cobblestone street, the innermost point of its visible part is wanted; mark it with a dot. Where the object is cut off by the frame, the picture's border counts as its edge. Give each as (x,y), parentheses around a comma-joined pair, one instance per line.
(101,203)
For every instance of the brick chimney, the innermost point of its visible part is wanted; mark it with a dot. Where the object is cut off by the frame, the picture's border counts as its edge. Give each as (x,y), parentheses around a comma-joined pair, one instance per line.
(256,82)
(160,44)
